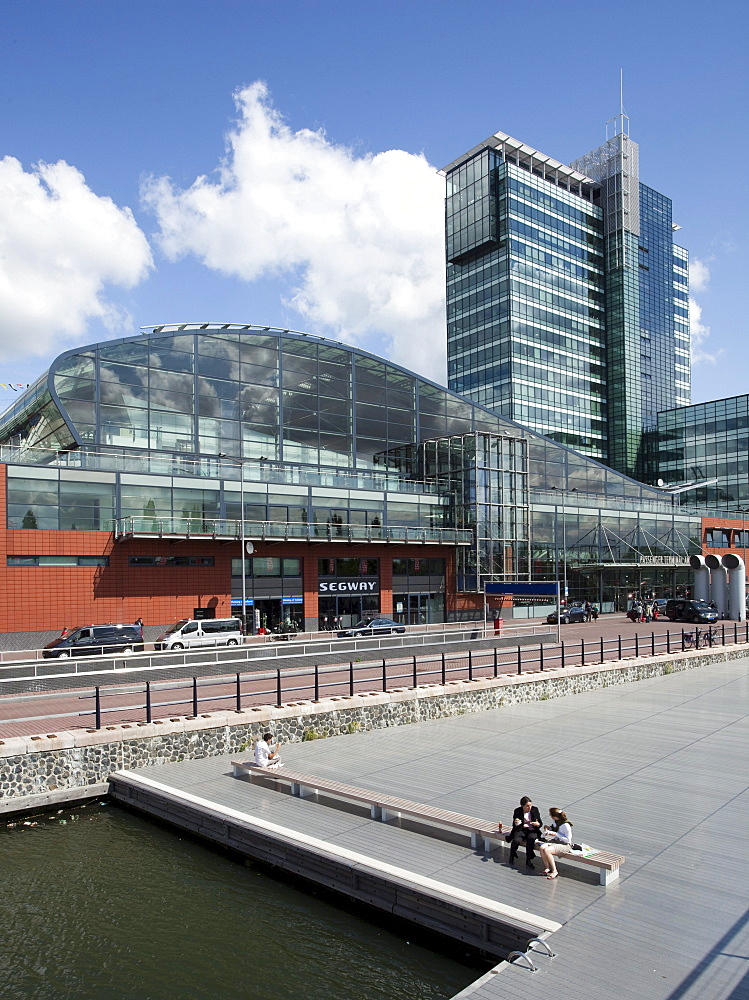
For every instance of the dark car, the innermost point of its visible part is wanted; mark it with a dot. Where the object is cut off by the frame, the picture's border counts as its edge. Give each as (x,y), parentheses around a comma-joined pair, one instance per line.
(95,640)
(574,613)
(700,612)
(372,626)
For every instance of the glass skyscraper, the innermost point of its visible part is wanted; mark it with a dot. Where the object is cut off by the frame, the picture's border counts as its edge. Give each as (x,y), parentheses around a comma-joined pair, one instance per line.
(566,296)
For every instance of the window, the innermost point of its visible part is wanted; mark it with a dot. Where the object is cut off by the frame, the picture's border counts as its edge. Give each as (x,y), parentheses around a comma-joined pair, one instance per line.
(267,567)
(348,567)
(717,538)
(58,560)
(171,561)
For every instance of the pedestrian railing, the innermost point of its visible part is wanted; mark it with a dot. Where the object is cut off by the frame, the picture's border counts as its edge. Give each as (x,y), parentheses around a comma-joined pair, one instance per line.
(144,702)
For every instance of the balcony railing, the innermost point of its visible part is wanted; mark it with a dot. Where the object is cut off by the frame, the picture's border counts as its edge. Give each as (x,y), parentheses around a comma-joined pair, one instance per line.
(150,527)
(252,470)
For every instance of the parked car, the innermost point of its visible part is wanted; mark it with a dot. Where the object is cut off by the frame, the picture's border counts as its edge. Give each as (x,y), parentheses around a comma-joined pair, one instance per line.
(371,626)
(660,603)
(188,633)
(700,612)
(95,640)
(573,613)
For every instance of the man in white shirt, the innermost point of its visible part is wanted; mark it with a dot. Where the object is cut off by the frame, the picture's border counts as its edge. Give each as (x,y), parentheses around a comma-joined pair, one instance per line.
(264,755)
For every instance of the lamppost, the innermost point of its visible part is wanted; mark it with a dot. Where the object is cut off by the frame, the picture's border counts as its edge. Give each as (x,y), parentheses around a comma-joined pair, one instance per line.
(243,538)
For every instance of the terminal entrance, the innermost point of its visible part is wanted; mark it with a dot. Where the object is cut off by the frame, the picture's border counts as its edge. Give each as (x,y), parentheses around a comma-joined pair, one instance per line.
(343,612)
(418,609)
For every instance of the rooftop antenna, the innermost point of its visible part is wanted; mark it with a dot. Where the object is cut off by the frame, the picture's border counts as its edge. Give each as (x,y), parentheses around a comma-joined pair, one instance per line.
(619,124)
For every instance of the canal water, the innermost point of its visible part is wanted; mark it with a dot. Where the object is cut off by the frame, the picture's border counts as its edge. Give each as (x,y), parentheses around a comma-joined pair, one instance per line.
(100,904)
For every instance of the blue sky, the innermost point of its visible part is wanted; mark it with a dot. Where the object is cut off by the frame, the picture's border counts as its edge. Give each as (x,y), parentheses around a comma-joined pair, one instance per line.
(316,128)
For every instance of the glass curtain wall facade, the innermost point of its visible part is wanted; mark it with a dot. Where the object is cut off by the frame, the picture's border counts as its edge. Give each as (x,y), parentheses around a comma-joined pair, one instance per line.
(708,441)
(194,431)
(567,298)
(525,295)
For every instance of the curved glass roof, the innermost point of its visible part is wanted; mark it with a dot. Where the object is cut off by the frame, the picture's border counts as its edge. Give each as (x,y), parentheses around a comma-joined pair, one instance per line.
(263,394)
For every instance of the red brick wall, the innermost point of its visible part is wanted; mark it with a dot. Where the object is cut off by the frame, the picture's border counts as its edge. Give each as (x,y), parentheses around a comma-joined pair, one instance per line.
(50,597)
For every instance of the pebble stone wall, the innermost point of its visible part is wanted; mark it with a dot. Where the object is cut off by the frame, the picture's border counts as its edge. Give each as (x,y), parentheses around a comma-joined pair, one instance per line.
(36,771)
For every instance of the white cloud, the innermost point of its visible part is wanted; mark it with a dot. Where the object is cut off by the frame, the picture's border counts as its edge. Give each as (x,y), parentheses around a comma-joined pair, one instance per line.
(60,244)
(699,275)
(360,237)
(699,280)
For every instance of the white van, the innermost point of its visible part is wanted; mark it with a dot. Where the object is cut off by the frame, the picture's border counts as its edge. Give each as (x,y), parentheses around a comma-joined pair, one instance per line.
(189,633)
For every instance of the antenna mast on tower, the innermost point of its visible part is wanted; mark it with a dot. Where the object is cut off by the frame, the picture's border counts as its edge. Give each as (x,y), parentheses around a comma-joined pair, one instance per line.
(619,124)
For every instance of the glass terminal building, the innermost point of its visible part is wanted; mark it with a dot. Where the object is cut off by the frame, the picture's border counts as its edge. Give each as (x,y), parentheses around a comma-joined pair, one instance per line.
(567,299)
(218,468)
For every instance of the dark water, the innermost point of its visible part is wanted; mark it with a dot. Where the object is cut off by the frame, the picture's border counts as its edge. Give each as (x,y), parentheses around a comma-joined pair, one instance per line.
(98,904)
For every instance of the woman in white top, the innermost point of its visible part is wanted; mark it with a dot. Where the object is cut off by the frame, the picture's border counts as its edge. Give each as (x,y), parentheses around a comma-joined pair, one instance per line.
(560,844)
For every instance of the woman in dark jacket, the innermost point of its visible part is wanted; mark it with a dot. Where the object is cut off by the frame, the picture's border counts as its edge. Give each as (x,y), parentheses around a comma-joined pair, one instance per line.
(526,828)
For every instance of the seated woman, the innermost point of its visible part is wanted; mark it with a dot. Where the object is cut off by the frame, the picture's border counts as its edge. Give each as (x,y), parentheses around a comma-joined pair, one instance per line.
(560,844)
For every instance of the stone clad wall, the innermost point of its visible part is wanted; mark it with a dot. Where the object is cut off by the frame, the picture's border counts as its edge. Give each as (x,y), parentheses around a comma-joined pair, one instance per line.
(37,771)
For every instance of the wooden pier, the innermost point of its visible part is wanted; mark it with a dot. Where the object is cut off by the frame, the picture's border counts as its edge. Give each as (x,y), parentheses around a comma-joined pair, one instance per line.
(656,771)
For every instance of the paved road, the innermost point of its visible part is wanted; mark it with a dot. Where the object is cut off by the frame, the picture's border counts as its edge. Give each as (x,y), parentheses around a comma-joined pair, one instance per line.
(171,693)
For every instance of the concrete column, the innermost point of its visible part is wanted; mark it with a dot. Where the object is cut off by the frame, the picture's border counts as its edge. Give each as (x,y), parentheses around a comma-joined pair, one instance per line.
(736,586)
(718,583)
(701,578)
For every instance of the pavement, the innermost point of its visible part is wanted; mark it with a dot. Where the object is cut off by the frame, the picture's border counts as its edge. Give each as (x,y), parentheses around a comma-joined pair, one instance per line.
(654,770)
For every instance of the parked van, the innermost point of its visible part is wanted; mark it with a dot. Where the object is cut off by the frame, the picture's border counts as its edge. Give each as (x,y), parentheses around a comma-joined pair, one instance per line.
(188,633)
(95,640)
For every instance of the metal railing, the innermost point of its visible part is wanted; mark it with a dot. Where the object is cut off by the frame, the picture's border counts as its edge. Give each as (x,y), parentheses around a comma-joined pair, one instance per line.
(253,470)
(254,648)
(145,701)
(289,530)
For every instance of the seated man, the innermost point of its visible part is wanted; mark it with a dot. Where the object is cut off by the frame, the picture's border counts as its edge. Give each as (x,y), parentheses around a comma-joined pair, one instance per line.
(264,756)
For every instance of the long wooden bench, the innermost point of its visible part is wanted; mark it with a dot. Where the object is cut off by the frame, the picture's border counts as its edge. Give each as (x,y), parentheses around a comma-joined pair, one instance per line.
(384,807)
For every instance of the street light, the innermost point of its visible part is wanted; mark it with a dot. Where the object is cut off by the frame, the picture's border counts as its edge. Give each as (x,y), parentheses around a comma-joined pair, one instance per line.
(243,539)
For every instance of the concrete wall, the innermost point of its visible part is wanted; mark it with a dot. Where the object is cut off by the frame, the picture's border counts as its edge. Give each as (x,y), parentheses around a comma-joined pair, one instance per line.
(36,771)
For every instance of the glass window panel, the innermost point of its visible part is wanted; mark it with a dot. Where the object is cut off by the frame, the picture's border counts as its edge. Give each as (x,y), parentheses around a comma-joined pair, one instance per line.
(32,516)
(75,388)
(266,566)
(221,367)
(291,567)
(80,365)
(118,394)
(80,410)
(134,353)
(224,348)
(22,560)
(58,560)
(163,359)
(123,416)
(370,372)
(32,491)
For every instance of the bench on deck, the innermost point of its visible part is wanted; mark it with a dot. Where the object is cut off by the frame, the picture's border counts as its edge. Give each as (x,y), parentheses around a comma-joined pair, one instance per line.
(384,807)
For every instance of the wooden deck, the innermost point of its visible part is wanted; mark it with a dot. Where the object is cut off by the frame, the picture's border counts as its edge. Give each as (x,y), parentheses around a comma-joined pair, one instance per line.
(657,771)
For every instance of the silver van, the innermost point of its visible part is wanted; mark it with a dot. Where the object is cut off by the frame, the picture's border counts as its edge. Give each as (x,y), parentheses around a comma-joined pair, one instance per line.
(189,633)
